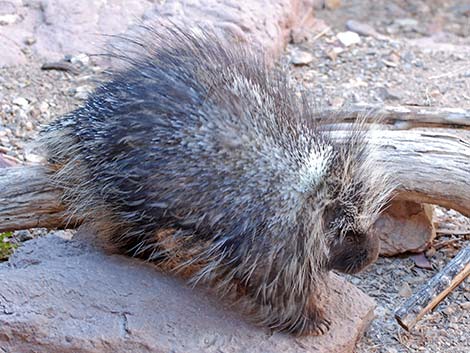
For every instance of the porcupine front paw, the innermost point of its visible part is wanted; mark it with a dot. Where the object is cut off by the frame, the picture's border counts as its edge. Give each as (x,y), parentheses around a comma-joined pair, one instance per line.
(313,323)
(317,327)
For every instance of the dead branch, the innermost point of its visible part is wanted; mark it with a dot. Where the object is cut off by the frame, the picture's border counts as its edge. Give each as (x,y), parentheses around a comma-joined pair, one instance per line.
(435,290)
(405,117)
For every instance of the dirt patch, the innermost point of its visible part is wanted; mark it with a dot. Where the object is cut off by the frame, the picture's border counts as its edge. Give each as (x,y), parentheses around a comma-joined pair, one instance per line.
(390,69)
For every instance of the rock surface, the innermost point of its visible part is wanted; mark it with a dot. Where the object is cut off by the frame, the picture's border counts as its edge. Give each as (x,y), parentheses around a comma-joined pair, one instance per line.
(405,227)
(60,296)
(54,28)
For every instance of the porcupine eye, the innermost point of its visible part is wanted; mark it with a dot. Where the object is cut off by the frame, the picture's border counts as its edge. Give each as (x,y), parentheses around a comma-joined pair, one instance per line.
(350,238)
(353,252)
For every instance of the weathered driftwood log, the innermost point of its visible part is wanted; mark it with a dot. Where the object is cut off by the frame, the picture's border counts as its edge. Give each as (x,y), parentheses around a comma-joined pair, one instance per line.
(434,291)
(430,167)
(27,201)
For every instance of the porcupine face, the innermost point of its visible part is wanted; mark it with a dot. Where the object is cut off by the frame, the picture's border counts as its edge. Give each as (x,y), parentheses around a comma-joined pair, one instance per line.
(353,248)
(358,190)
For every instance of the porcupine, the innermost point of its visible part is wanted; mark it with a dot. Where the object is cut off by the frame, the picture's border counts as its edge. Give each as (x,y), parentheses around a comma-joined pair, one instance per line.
(201,158)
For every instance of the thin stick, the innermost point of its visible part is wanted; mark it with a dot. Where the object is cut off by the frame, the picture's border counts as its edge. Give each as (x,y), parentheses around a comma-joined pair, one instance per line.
(434,291)
(405,117)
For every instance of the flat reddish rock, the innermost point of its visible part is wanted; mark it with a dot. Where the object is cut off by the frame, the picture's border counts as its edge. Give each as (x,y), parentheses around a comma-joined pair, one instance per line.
(61,296)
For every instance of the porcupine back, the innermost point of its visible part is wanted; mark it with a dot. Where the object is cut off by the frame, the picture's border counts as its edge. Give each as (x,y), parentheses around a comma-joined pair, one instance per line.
(199,157)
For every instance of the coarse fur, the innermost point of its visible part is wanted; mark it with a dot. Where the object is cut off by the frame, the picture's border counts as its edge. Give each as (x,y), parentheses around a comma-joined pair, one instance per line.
(201,158)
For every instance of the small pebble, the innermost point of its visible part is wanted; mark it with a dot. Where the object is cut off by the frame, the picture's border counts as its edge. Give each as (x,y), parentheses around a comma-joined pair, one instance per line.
(29,40)
(81,59)
(465,306)
(33,158)
(82,92)
(405,290)
(348,38)
(389,94)
(406,22)
(29,126)
(333,53)
(8,19)
(301,58)
(393,60)
(23,235)
(21,102)
(44,107)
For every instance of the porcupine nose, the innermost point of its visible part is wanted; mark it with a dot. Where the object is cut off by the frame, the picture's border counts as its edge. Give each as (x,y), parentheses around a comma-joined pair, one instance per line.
(371,249)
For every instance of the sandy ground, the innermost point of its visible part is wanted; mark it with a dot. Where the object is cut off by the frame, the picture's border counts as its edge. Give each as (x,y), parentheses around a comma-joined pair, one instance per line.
(397,65)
